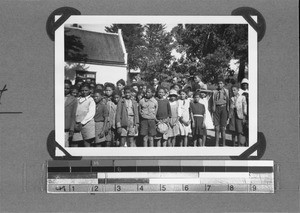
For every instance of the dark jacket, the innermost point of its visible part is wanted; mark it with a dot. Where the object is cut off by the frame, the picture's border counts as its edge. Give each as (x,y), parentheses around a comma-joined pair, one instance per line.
(122,114)
(70,112)
(227,99)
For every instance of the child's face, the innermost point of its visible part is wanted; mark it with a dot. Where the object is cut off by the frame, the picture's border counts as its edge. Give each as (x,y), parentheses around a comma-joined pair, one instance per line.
(140,96)
(116,98)
(161,93)
(155,81)
(235,91)
(196,98)
(136,88)
(190,94)
(149,93)
(67,89)
(108,91)
(244,86)
(182,95)
(176,87)
(172,98)
(196,79)
(99,87)
(144,88)
(220,85)
(97,97)
(133,95)
(203,94)
(74,92)
(85,91)
(120,86)
(127,94)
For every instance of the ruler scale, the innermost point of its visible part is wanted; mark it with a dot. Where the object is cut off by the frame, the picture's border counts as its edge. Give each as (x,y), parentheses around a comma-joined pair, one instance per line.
(160,176)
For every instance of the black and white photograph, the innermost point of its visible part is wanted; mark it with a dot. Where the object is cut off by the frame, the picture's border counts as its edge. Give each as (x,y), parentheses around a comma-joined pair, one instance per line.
(155,85)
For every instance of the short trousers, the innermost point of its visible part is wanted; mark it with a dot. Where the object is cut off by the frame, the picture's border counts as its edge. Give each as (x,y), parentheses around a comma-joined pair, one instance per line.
(87,132)
(148,127)
(220,116)
(131,129)
(99,126)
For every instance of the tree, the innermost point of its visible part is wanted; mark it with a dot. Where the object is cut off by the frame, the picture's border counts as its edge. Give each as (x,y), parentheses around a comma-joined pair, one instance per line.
(133,40)
(207,49)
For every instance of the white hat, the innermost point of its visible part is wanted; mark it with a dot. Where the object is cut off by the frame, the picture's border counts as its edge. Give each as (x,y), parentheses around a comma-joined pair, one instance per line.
(245,81)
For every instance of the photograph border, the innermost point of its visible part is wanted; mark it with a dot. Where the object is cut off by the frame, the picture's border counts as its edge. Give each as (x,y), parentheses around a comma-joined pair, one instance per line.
(154,151)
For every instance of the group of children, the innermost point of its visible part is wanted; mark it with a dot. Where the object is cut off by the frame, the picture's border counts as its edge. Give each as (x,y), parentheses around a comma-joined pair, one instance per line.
(143,115)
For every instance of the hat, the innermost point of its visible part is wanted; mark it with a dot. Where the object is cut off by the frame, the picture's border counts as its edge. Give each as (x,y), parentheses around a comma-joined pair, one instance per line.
(173,92)
(162,128)
(245,81)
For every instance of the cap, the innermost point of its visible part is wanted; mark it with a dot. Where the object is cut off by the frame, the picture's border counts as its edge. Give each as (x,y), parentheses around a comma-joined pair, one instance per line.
(245,81)
(173,92)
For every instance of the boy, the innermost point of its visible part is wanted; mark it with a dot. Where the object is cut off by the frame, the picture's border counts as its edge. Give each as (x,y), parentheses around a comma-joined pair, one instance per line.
(148,110)
(220,110)
(70,112)
(109,90)
(101,118)
(127,118)
(163,116)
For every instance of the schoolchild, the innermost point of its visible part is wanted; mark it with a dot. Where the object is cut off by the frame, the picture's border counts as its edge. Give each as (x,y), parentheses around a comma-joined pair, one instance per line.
(127,118)
(184,117)
(220,110)
(148,110)
(162,118)
(101,119)
(120,85)
(109,90)
(115,136)
(85,124)
(237,115)
(198,116)
(205,96)
(174,122)
(70,112)
(74,91)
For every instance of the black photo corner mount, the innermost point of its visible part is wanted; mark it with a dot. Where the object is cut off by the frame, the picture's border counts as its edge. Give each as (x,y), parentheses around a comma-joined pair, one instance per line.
(52,25)
(260,28)
(246,12)
(52,145)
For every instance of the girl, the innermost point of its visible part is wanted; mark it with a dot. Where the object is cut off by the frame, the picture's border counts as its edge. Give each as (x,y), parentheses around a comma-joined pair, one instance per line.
(237,115)
(115,136)
(198,116)
(174,123)
(74,91)
(120,85)
(163,116)
(184,117)
(85,125)
(204,99)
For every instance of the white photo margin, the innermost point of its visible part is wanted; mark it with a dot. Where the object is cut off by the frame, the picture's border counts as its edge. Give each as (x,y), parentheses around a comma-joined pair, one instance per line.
(153,151)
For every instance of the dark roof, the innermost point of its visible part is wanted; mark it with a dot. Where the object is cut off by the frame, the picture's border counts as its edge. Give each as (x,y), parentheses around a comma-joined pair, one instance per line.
(99,48)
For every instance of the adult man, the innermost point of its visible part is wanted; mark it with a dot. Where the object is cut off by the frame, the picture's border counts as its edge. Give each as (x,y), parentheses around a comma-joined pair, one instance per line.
(220,110)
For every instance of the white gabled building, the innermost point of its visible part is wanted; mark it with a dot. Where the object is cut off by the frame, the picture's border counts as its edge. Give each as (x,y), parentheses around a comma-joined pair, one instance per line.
(101,57)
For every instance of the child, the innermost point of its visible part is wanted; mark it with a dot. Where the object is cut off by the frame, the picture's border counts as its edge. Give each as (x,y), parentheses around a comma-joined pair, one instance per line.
(204,99)
(174,123)
(101,118)
(127,118)
(198,116)
(220,110)
(74,91)
(184,117)
(190,95)
(148,110)
(120,85)
(238,112)
(85,124)
(115,136)
(163,116)
(70,112)
(109,90)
